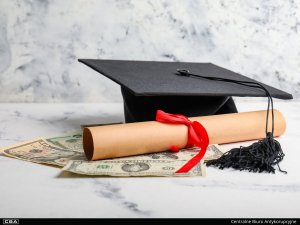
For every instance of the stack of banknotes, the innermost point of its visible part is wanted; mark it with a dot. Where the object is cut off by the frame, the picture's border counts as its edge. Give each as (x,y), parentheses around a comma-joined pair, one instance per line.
(66,151)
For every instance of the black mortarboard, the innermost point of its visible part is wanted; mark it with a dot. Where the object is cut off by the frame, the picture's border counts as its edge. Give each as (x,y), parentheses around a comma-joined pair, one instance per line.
(148,86)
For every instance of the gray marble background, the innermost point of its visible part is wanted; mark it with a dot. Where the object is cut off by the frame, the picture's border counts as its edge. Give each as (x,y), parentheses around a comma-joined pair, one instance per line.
(41,40)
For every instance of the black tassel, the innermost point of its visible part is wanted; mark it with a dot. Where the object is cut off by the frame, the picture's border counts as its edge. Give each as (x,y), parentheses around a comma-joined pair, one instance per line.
(261,156)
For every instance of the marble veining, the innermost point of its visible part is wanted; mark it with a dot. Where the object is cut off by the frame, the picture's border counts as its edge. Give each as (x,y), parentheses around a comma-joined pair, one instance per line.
(112,191)
(53,193)
(41,40)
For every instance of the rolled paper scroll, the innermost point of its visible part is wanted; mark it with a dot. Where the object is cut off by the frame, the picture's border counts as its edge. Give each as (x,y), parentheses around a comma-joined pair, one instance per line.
(120,140)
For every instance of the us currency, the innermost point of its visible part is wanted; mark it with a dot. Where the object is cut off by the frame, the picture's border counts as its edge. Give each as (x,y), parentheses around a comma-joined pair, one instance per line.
(141,166)
(39,151)
(71,142)
(213,152)
(154,164)
(66,149)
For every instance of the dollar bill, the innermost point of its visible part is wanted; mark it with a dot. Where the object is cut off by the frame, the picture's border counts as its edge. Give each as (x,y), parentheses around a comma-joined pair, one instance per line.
(133,167)
(39,151)
(71,142)
(212,152)
(154,164)
(67,151)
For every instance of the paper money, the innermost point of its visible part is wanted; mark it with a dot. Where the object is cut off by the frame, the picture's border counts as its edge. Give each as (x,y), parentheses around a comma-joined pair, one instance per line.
(154,164)
(67,151)
(213,152)
(39,151)
(133,167)
(71,142)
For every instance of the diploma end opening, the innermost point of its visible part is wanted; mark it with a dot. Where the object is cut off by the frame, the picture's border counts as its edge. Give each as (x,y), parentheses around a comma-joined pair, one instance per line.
(88,144)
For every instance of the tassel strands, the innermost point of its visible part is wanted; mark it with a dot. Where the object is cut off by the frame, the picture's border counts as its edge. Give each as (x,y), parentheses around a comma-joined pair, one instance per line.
(259,157)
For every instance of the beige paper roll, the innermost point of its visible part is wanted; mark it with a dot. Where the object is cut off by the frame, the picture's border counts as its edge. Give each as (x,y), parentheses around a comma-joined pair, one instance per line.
(146,137)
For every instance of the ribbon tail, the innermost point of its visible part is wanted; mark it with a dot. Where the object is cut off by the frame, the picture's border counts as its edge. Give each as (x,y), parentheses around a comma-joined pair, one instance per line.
(192,162)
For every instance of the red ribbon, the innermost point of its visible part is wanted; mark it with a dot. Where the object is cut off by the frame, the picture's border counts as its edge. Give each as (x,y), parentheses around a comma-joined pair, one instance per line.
(197,136)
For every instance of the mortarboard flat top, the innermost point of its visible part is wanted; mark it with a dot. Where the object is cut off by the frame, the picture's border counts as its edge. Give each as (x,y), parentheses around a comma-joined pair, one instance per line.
(147,86)
(149,78)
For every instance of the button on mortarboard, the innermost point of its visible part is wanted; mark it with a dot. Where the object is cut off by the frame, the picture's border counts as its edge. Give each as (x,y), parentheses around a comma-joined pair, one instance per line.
(148,86)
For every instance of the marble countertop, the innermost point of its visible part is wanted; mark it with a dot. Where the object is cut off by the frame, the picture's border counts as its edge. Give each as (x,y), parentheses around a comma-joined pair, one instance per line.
(33,190)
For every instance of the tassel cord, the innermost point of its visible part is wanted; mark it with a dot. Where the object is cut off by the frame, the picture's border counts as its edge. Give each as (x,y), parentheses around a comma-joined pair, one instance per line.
(244,83)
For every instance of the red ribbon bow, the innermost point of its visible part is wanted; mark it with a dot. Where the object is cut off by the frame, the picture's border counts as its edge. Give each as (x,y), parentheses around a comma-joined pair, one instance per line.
(197,136)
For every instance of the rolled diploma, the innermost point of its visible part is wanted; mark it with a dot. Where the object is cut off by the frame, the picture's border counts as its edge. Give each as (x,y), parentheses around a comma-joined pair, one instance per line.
(120,140)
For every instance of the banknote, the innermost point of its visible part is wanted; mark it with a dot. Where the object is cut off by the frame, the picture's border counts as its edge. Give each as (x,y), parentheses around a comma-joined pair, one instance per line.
(213,152)
(140,166)
(39,151)
(67,151)
(154,164)
(71,142)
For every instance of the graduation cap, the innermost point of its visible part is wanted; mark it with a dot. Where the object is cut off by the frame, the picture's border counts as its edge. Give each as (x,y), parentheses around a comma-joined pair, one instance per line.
(192,89)
(147,86)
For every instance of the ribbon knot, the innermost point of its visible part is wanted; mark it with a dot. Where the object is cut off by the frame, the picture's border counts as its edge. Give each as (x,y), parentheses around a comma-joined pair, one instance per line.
(197,136)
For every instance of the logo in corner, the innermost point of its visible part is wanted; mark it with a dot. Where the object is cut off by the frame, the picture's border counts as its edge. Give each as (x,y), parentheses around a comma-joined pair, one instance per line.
(10,221)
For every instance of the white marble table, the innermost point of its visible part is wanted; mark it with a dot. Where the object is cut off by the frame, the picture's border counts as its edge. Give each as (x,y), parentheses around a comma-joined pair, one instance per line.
(33,190)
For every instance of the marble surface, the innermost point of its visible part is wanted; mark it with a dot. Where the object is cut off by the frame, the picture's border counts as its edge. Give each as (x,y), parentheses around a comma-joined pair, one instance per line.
(41,40)
(33,190)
